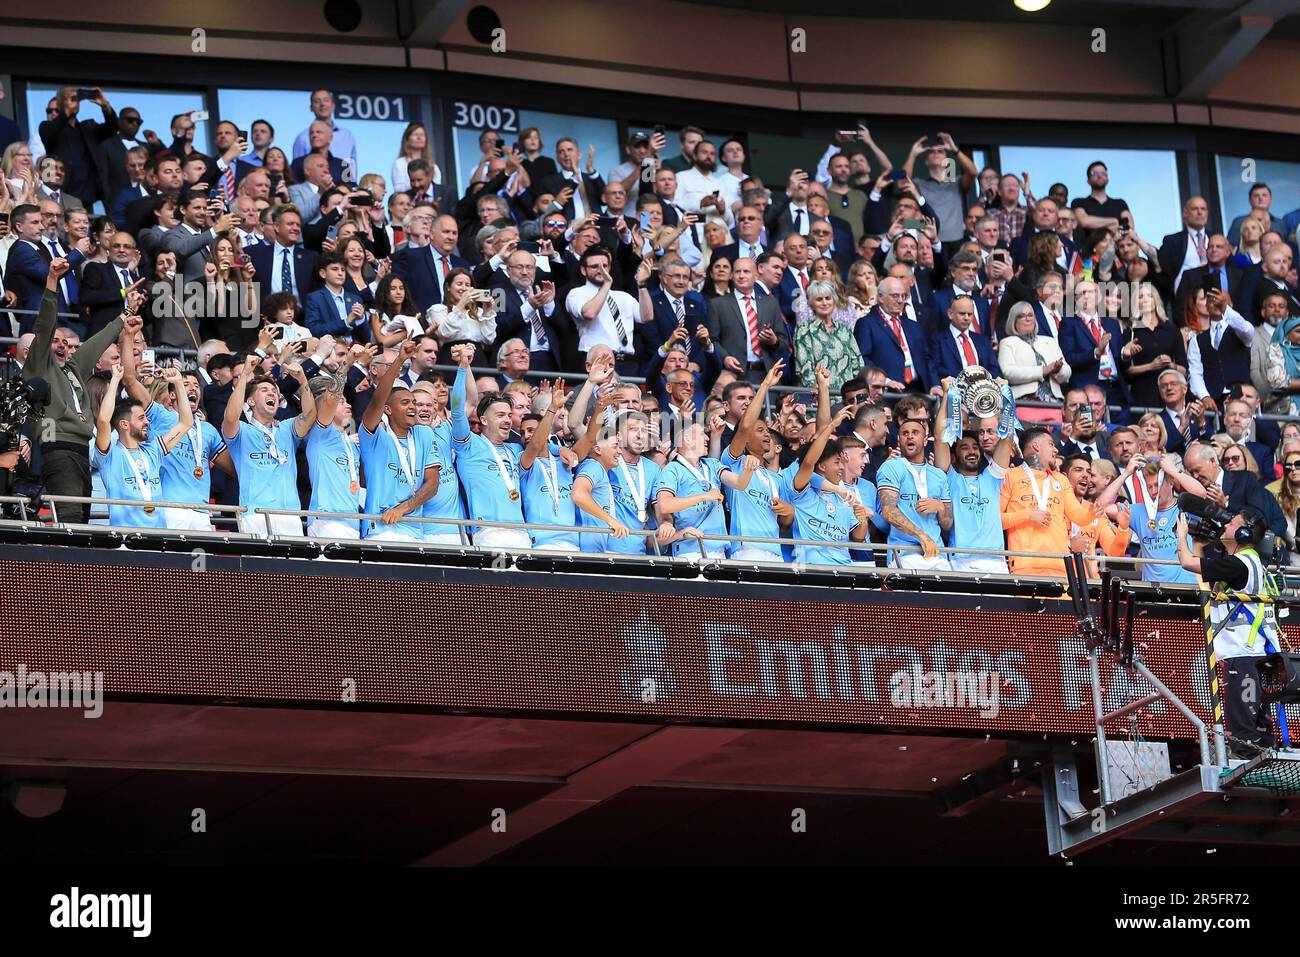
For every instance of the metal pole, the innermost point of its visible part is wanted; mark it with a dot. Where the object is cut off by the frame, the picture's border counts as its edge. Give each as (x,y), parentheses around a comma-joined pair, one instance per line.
(1103,757)
(1211,661)
(1188,713)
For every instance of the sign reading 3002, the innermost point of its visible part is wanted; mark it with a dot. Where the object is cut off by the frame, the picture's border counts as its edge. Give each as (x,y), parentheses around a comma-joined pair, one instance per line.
(479,116)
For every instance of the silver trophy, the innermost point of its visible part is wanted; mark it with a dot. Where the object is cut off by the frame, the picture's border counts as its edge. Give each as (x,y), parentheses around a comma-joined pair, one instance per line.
(980,393)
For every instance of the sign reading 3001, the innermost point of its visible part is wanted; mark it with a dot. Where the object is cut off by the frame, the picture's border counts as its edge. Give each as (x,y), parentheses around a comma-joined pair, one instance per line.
(479,116)
(368,106)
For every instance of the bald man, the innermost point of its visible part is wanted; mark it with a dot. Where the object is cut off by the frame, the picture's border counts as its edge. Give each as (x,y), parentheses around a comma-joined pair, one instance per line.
(1186,249)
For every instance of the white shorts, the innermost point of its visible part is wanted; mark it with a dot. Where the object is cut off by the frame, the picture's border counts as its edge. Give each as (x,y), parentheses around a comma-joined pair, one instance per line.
(557,547)
(502,538)
(748,553)
(921,563)
(979,563)
(332,528)
(188,519)
(280,524)
(386,534)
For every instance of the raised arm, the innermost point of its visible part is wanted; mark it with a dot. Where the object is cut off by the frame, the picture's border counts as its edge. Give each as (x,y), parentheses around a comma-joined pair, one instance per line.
(942,450)
(104,417)
(823,396)
(375,410)
(542,434)
(134,387)
(185,414)
(235,407)
(740,438)
(307,417)
(818,445)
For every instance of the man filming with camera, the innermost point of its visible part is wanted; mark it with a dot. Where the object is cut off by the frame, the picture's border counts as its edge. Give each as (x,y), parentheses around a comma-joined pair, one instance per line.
(1244,631)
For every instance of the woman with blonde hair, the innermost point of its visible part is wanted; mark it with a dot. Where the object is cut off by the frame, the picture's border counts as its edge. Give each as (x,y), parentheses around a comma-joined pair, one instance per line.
(471,320)
(1248,252)
(1238,458)
(415,145)
(822,340)
(1152,434)
(844,313)
(19,174)
(1154,345)
(1288,496)
(862,283)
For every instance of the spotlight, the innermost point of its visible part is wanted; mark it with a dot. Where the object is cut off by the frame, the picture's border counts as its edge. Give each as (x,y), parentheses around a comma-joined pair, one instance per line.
(343,15)
(1032,6)
(482,23)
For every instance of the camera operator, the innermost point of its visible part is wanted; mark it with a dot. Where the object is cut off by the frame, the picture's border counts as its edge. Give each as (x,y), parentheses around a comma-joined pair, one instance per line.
(1245,631)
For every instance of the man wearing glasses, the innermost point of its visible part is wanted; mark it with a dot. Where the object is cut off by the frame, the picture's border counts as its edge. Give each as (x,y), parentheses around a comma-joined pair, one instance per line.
(104,285)
(113,153)
(525,309)
(77,143)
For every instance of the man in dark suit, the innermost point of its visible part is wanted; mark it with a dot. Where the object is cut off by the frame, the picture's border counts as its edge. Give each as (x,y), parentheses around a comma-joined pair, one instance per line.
(775,280)
(747,327)
(113,152)
(423,188)
(1091,345)
(578,193)
(1187,248)
(1266,277)
(1179,414)
(162,174)
(963,273)
(428,256)
(77,143)
(1218,358)
(1233,490)
(1219,264)
(1083,436)
(29,264)
(749,229)
(104,285)
(673,305)
(320,136)
(1238,416)
(827,242)
(893,342)
(525,308)
(133,169)
(1043,219)
(957,347)
(789,215)
(269,261)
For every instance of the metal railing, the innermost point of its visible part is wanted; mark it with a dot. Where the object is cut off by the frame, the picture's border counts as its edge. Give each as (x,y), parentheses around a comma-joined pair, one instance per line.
(466,527)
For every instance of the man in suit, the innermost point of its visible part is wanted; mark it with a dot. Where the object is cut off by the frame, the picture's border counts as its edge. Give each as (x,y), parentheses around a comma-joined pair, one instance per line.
(798,273)
(135,187)
(827,245)
(1219,264)
(1184,421)
(76,142)
(284,266)
(29,265)
(1219,357)
(790,214)
(773,281)
(1084,439)
(749,227)
(1050,293)
(890,340)
(525,309)
(671,306)
(321,134)
(671,360)
(113,153)
(747,327)
(1043,219)
(190,241)
(1268,276)
(1233,490)
(1238,415)
(964,274)
(331,309)
(957,347)
(104,285)
(906,249)
(1091,345)
(578,193)
(307,195)
(429,255)
(162,174)
(1187,248)
(50,169)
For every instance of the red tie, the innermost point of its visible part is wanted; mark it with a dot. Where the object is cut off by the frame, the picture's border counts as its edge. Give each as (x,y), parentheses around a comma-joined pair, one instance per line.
(1095,325)
(969,349)
(803,281)
(446,268)
(751,320)
(897,326)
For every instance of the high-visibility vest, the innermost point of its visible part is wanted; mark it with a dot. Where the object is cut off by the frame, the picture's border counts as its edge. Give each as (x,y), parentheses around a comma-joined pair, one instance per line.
(1251,628)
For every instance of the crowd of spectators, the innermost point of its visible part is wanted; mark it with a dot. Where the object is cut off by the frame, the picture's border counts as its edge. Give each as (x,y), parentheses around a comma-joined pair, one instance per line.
(738,349)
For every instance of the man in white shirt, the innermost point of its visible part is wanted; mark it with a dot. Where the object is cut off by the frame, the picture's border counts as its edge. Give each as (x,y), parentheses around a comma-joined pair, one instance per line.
(1224,319)
(343,145)
(604,315)
(1193,241)
(701,187)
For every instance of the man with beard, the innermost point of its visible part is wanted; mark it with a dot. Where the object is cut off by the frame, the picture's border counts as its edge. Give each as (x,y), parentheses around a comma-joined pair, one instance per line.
(1123,445)
(964,273)
(1112,536)
(757,511)
(1154,512)
(914,500)
(1038,506)
(975,492)
(1083,436)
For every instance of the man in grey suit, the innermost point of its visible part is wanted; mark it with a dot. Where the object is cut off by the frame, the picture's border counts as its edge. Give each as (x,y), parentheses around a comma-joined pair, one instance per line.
(746,350)
(306,196)
(196,232)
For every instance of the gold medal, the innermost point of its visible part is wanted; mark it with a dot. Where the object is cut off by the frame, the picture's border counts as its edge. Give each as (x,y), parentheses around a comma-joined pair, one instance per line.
(148,509)
(514,495)
(198,471)
(354,488)
(1152,524)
